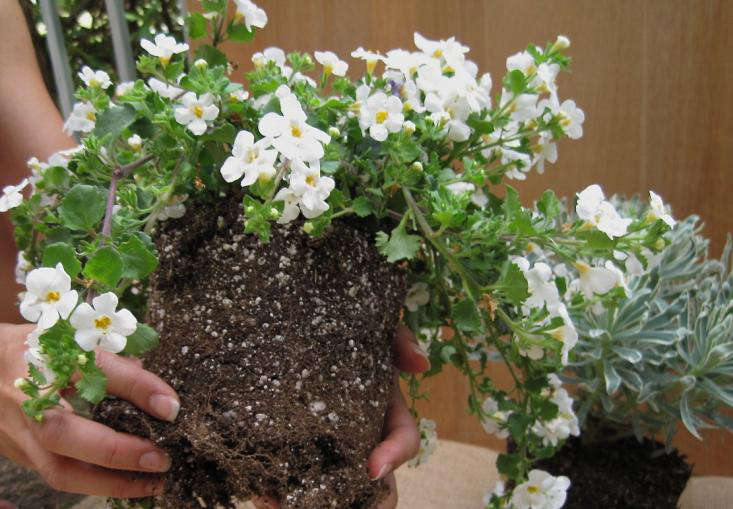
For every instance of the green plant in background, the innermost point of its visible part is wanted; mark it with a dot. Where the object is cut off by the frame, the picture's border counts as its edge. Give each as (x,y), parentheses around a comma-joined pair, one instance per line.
(665,354)
(85,26)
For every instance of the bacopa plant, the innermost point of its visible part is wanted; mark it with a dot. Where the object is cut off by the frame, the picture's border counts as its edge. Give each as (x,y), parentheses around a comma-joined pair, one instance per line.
(418,149)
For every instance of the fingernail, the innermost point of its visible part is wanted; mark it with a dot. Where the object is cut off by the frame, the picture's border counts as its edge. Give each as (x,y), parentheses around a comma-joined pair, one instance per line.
(386,469)
(418,350)
(156,488)
(165,407)
(155,461)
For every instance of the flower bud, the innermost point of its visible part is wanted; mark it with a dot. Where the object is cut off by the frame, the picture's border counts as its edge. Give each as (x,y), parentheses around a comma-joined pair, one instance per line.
(81,359)
(334,132)
(249,210)
(200,63)
(308,227)
(562,42)
(274,213)
(416,166)
(20,383)
(408,126)
(660,244)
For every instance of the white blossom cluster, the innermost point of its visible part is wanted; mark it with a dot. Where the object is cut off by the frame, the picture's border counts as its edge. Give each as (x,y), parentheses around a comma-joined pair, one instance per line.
(428,442)
(565,423)
(49,298)
(540,491)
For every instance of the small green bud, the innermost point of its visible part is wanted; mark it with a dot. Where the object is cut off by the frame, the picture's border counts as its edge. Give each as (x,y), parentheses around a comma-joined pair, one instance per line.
(307,60)
(416,166)
(334,132)
(308,227)
(562,42)
(21,383)
(274,213)
(201,63)
(249,210)
(81,359)
(660,244)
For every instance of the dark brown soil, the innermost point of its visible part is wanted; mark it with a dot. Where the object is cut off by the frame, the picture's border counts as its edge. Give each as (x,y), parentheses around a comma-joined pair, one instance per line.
(27,490)
(281,355)
(620,474)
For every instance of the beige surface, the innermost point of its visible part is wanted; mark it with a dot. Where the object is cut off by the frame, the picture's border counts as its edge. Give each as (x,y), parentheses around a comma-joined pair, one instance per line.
(708,493)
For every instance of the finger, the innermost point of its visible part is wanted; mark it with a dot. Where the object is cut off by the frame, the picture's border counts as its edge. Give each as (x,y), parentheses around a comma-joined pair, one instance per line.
(128,380)
(391,501)
(265,503)
(72,476)
(72,436)
(401,442)
(4,504)
(408,354)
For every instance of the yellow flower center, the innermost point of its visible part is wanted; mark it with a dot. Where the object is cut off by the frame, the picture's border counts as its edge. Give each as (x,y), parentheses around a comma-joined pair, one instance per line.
(198,111)
(164,60)
(296,131)
(94,83)
(252,155)
(558,334)
(52,296)
(311,180)
(582,267)
(370,65)
(103,322)
(327,69)
(91,116)
(564,120)
(438,53)
(533,489)
(447,69)
(381,117)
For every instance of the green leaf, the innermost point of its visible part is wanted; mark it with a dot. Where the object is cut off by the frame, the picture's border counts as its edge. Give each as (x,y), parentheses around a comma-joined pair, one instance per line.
(142,340)
(400,245)
(362,207)
(212,55)
(240,33)
(613,380)
(223,134)
(92,386)
(466,317)
(519,219)
(517,424)
(196,25)
(63,253)
(513,284)
(508,464)
(549,205)
(515,81)
(83,207)
(138,259)
(105,266)
(114,120)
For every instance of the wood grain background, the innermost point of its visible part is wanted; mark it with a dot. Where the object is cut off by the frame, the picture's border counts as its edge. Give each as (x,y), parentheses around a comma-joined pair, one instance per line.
(654,77)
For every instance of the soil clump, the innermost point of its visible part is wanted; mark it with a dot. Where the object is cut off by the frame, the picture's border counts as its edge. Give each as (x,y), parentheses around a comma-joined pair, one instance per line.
(282,357)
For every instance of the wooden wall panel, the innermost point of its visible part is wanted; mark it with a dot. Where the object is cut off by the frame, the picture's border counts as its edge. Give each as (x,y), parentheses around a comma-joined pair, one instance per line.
(655,79)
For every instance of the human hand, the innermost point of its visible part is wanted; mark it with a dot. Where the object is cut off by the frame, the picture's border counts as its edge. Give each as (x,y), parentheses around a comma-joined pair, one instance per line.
(401,439)
(75,454)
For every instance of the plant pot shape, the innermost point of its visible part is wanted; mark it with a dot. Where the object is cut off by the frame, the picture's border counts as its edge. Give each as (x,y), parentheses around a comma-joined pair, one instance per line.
(281,354)
(618,473)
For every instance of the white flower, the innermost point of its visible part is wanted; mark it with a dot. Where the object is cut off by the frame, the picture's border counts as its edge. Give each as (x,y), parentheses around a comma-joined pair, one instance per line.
(12,196)
(253,160)
(251,14)
(595,280)
(540,491)
(562,42)
(311,188)
(540,285)
(124,87)
(196,112)
(174,209)
(101,325)
(291,135)
(428,442)
(571,119)
(563,425)
(493,419)
(135,142)
(418,295)
(22,266)
(331,63)
(290,200)
(658,210)
(82,118)
(634,266)
(164,90)
(497,491)
(597,211)
(238,95)
(48,297)
(566,333)
(522,61)
(544,150)
(94,79)
(381,115)
(275,55)
(408,126)
(449,49)
(371,58)
(300,77)
(164,47)
(34,354)
(405,62)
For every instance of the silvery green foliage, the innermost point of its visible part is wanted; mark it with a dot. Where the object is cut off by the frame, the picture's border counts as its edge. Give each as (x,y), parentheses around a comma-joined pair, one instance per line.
(665,353)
